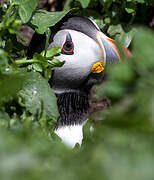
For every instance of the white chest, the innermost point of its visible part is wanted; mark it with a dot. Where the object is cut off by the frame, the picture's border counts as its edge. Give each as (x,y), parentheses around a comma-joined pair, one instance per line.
(71,135)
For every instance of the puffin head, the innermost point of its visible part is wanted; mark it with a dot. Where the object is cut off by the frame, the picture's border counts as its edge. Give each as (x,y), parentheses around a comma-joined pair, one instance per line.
(84,48)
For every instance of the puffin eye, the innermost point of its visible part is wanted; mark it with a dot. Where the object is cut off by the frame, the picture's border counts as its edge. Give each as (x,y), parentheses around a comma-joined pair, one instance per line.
(68,47)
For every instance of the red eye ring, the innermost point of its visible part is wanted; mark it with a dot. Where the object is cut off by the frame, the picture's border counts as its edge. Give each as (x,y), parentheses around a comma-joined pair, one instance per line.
(67,50)
(68,47)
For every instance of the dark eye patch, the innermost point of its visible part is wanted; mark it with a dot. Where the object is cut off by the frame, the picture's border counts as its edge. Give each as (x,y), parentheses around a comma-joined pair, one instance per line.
(68,47)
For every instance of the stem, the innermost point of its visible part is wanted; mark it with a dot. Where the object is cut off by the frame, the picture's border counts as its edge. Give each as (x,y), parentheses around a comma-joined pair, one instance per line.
(24,61)
(7,15)
(20,36)
(67,5)
(132,18)
(48,33)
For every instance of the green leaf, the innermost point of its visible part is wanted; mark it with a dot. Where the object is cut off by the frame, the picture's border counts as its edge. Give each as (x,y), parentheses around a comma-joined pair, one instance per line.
(3,57)
(107,20)
(4,119)
(10,84)
(140,1)
(38,57)
(84,3)
(143,48)
(53,52)
(121,72)
(56,63)
(130,10)
(122,37)
(26,9)
(37,96)
(48,73)
(106,3)
(130,7)
(42,19)
(37,67)
(67,4)
(113,89)
(17,2)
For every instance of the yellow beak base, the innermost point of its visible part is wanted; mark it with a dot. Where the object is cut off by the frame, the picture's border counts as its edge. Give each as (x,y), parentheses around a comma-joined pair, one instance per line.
(97,68)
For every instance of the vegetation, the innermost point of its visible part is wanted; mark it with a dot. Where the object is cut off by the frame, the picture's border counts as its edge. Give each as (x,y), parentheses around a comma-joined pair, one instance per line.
(121,146)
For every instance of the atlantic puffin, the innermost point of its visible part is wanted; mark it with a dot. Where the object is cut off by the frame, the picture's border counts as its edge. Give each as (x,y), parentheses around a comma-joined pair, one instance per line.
(85,50)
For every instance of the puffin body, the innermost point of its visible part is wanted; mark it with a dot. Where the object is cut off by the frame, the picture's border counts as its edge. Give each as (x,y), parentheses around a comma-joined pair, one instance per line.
(85,49)
(83,45)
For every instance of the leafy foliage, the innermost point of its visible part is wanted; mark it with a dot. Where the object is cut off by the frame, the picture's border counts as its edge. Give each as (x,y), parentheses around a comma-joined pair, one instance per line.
(37,96)
(26,8)
(84,3)
(25,95)
(121,146)
(43,19)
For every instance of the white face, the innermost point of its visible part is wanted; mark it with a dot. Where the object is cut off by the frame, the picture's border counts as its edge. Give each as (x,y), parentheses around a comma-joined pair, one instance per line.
(78,65)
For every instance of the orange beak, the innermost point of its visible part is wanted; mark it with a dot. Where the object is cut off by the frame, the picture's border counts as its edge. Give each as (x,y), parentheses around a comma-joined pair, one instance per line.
(109,49)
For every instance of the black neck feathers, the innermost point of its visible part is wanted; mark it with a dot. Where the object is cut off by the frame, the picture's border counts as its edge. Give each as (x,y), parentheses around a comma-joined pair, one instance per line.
(73,105)
(73,108)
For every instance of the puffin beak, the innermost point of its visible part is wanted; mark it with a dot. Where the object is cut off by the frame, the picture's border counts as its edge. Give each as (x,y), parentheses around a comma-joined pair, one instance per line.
(108,47)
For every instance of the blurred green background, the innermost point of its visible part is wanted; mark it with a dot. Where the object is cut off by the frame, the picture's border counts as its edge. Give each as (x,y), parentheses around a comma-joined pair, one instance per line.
(121,146)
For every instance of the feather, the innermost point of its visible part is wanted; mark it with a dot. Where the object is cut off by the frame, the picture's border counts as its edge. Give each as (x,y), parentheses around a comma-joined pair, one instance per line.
(70,135)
